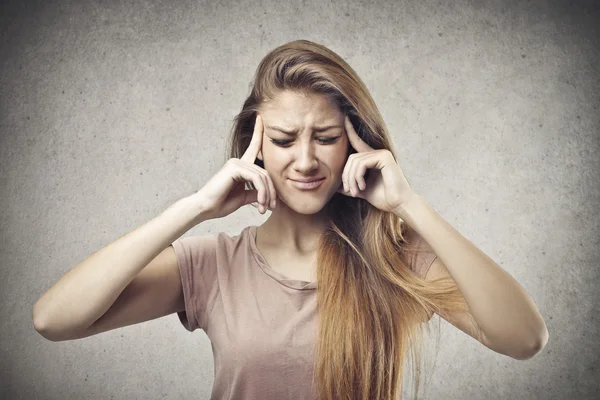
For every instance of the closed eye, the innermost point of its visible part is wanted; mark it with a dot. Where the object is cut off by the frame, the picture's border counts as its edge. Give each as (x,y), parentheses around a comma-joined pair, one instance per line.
(285,143)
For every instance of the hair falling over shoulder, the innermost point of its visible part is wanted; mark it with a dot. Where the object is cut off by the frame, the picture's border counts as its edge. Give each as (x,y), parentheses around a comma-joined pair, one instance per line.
(372,308)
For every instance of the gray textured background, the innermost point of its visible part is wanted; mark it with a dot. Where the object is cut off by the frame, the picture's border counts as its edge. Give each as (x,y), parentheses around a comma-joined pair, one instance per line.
(113,110)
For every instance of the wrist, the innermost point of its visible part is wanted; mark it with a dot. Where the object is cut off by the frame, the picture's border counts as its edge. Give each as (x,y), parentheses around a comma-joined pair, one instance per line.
(192,207)
(404,209)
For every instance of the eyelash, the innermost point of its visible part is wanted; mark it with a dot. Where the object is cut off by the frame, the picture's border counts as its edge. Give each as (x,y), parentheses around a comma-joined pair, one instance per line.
(283,143)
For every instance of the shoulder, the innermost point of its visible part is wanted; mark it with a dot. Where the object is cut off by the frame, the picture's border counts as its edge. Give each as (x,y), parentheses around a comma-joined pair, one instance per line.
(219,243)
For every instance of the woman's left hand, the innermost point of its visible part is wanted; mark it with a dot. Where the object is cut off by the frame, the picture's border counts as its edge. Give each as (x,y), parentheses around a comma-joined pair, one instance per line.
(386,188)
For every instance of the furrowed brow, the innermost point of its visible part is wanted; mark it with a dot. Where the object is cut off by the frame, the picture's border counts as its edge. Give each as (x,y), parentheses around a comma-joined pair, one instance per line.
(295,132)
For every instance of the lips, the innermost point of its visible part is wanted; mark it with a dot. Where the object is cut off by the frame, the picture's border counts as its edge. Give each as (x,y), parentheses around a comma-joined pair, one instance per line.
(309,184)
(307,180)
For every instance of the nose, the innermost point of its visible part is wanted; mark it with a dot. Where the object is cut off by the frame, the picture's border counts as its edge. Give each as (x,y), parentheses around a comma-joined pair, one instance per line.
(305,161)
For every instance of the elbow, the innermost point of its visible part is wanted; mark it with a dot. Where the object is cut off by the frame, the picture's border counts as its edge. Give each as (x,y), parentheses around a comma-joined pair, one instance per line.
(43,327)
(48,333)
(55,333)
(39,323)
(535,347)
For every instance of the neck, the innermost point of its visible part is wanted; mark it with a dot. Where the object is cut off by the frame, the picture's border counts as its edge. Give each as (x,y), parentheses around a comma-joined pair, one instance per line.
(293,232)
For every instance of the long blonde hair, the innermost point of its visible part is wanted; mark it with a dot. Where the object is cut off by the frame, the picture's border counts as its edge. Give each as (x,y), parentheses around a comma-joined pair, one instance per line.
(371,307)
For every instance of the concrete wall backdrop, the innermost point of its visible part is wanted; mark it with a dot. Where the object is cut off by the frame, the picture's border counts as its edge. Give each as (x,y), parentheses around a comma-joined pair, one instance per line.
(113,110)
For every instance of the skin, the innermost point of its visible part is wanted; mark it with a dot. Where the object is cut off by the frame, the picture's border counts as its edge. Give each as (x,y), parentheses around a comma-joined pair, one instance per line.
(297,222)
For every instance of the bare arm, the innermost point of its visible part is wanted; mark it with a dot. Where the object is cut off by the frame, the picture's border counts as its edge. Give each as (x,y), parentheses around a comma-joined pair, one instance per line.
(81,298)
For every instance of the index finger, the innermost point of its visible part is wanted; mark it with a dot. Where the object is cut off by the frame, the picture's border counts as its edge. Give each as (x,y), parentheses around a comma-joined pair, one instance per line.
(357,143)
(255,144)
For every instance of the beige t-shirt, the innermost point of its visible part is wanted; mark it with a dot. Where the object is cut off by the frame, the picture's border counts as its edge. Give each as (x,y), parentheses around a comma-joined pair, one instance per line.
(262,326)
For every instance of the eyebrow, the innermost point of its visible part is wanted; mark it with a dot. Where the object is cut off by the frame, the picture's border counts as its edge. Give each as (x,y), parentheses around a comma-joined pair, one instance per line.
(295,132)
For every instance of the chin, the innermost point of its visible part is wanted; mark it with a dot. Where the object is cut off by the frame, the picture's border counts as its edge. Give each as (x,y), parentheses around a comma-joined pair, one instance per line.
(305,205)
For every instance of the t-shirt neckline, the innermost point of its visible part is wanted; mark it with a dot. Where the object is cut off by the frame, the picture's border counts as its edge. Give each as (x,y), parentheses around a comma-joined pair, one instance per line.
(264,265)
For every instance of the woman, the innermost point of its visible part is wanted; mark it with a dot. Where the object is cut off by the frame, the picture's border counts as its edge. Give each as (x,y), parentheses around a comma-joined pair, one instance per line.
(312,146)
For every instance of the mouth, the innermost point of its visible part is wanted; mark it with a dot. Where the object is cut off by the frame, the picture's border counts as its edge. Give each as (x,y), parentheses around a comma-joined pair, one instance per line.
(306,179)
(307,184)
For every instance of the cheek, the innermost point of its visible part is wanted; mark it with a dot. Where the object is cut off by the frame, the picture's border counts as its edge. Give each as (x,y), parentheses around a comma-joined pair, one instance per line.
(273,161)
(270,154)
(338,160)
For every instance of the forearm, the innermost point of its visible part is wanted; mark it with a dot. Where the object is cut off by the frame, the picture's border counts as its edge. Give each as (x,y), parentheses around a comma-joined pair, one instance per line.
(88,290)
(503,310)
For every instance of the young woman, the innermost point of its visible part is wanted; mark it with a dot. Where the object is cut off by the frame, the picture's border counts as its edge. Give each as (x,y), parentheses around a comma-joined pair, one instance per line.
(310,145)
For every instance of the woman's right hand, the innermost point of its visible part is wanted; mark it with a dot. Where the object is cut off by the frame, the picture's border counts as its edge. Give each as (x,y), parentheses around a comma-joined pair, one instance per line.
(226,191)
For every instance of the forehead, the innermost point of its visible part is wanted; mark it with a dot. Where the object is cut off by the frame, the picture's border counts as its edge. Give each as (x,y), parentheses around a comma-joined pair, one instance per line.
(294,107)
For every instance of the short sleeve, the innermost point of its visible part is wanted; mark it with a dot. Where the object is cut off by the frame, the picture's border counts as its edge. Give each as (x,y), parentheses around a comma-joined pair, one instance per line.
(418,255)
(196,257)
